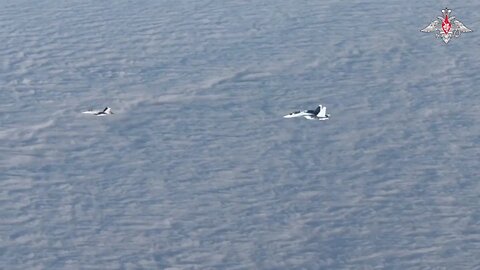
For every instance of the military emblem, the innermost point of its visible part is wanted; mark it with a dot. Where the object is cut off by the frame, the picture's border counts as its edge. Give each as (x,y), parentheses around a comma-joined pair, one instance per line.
(447,27)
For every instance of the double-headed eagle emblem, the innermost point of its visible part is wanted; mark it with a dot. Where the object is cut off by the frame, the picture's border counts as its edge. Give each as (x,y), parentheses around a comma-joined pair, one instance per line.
(446,27)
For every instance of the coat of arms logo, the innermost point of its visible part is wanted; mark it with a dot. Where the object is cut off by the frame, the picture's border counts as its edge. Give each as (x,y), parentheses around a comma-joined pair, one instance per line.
(447,27)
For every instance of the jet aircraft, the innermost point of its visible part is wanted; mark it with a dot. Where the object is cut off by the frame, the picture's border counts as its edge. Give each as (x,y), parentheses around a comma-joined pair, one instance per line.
(104,112)
(320,113)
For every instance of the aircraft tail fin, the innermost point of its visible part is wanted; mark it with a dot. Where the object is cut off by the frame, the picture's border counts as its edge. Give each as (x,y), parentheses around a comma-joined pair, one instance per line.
(318,109)
(322,112)
(107,110)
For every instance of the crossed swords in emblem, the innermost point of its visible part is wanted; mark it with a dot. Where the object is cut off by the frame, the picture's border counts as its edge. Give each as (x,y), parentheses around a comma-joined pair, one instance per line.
(446,27)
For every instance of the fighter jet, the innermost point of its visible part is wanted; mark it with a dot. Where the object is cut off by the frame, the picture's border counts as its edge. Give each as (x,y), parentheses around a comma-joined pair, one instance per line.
(318,114)
(105,111)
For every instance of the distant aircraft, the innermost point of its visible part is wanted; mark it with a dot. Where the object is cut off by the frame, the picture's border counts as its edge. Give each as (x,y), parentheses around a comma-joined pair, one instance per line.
(318,114)
(105,111)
